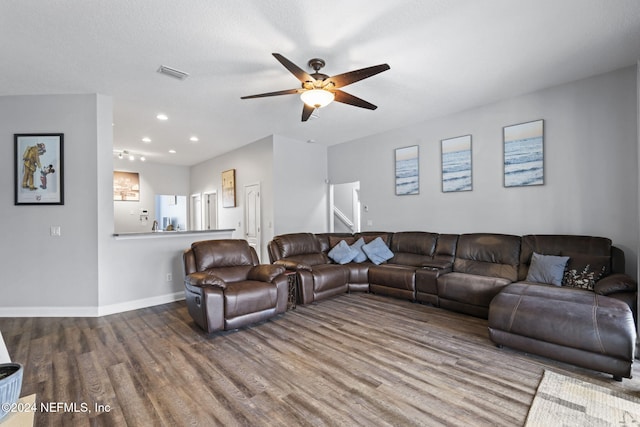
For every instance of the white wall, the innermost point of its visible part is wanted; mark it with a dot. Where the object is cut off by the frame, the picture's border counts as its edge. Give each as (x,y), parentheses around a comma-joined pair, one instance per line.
(253,164)
(155,179)
(85,271)
(591,168)
(301,188)
(39,270)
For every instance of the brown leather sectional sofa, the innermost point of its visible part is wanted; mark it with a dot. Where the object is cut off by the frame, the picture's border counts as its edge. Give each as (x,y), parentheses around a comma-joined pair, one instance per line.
(485,275)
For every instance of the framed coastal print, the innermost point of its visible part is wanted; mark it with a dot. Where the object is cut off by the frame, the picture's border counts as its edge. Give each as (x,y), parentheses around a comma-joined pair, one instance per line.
(456,164)
(126,186)
(39,169)
(524,154)
(407,171)
(229,188)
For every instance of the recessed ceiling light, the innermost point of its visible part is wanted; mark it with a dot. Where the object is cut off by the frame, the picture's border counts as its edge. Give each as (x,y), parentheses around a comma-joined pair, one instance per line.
(172,151)
(162,116)
(194,139)
(146,139)
(143,158)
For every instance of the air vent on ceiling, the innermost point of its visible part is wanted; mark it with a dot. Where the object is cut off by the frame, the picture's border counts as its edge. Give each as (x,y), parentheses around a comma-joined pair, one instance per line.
(172,72)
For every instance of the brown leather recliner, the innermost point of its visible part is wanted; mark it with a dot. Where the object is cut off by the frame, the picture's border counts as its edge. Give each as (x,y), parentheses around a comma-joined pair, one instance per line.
(226,287)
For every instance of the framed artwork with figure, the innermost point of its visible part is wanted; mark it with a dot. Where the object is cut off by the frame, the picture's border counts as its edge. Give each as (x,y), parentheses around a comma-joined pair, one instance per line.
(39,169)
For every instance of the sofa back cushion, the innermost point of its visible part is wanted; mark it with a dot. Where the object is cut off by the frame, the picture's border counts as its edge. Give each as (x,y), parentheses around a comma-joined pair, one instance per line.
(589,252)
(210,254)
(413,248)
(329,240)
(446,247)
(369,236)
(302,248)
(485,254)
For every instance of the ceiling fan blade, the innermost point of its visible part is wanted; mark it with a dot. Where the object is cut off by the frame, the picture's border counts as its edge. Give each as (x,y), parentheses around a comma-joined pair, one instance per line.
(346,98)
(344,79)
(306,112)
(280,92)
(302,75)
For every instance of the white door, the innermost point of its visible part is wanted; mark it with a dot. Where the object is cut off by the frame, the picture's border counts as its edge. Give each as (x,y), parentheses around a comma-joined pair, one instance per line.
(252,216)
(196,212)
(210,211)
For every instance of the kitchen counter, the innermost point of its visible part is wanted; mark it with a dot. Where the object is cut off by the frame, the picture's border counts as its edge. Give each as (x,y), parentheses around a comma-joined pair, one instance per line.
(161,234)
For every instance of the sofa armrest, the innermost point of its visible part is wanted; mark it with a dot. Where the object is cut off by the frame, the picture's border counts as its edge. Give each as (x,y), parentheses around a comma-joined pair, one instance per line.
(292,265)
(615,283)
(265,272)
(202,279)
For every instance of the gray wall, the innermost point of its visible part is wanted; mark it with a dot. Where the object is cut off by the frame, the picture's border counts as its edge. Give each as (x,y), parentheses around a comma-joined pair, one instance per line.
(301,188)
(39,270)
(591,188)
(292,178)
(591,167)
(253,164)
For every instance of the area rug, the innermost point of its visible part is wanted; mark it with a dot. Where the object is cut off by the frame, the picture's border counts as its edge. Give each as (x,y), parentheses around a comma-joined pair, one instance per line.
(566,401)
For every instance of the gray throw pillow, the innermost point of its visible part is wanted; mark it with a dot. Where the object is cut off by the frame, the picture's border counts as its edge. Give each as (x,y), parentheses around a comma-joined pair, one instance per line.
(547,269)
(357,246)
(342,253)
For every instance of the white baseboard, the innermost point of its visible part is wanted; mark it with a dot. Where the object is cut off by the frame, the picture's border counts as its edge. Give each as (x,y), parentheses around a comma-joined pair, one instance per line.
(140,303)
(89,311)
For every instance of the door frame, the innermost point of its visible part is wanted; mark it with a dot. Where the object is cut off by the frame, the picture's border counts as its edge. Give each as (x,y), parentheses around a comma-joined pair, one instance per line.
(208,196)
(258,243)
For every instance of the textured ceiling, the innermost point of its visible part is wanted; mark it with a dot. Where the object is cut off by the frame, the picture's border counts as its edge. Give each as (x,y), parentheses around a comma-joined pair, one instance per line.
(445,56)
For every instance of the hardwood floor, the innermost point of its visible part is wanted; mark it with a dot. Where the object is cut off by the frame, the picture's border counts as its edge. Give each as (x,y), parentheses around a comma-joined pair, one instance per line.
(357,359)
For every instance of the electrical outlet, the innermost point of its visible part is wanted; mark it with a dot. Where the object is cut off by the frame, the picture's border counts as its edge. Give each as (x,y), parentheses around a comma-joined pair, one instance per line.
(54,231)
(169,277)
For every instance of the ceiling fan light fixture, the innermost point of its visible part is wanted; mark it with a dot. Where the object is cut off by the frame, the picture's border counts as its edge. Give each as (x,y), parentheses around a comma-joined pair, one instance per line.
(317,98)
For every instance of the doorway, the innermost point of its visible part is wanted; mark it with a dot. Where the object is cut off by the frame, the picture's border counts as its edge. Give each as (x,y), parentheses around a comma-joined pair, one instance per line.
(196,212)
(344,208)
(253,232)
(210,210)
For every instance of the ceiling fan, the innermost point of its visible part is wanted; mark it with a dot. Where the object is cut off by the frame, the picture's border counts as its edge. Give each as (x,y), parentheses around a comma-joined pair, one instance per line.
(319,90)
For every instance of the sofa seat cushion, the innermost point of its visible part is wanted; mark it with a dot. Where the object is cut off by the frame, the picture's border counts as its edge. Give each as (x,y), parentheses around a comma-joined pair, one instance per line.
(568,317)
(470,288)
(249,297)
(329,276)
(571,325)
(393,276)
(359,272)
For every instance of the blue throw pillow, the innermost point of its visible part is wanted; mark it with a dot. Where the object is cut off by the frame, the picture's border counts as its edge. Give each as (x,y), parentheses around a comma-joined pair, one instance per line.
(547,269)
(342,253)
(357,246)
(377,251)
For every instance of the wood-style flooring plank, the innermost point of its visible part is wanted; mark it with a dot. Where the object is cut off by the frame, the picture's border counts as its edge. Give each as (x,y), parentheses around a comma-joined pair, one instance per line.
(357,359)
